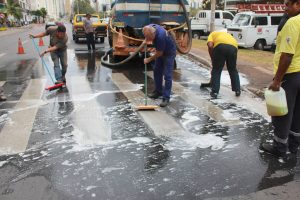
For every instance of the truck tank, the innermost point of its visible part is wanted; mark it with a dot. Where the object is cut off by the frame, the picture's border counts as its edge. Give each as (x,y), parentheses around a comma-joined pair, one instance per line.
(128,17)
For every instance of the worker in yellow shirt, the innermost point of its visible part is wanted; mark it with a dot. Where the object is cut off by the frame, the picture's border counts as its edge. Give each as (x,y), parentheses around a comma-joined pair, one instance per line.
(222,47)
(287,75)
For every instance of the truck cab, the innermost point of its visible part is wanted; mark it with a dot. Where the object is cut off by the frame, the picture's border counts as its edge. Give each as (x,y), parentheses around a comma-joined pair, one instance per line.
(200,24)
(256,30)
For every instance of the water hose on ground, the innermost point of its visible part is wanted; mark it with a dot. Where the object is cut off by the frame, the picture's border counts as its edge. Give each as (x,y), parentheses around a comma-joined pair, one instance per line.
(107,63)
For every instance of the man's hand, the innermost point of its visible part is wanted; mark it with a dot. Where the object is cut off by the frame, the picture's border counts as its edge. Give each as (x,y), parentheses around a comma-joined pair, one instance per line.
(31,36)
(275,85)
(147,60)
(43,53)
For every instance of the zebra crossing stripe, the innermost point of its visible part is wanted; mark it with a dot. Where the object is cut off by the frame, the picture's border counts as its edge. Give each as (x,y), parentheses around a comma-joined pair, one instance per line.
(156,120)
(246,100)
(15,134)
(88,120)
(204,105)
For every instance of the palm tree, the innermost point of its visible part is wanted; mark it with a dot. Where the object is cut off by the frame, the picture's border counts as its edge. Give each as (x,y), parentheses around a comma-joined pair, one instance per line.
(43,13)
(13,8)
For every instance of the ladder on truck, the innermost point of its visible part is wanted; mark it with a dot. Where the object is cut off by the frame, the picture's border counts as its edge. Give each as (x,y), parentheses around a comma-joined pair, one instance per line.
(262,8)
(155,11)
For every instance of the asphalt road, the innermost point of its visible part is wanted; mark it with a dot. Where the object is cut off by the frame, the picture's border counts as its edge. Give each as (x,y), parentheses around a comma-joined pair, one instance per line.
(88,141)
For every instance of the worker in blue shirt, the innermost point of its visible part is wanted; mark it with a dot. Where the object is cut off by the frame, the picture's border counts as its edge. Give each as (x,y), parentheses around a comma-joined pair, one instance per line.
(164,60)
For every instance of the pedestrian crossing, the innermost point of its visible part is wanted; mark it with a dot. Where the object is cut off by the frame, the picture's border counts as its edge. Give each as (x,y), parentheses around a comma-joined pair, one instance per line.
(88,115)
(15,134)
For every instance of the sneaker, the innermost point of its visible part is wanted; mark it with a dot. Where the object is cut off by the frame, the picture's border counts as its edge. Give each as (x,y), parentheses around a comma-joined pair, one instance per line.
(213,95)
(238,93)
(204,85)
(268,148)
(3,97)
(164,103)
(154,95)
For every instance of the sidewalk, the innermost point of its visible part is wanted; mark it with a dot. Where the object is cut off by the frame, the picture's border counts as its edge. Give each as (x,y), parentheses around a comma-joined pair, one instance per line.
(259,76)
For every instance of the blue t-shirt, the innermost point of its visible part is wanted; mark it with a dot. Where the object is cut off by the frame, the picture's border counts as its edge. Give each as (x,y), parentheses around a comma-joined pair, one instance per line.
(163,41)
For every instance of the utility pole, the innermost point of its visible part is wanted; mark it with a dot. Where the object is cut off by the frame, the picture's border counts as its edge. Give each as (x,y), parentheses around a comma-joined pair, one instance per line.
(97,7)
(213,11)
(77,6)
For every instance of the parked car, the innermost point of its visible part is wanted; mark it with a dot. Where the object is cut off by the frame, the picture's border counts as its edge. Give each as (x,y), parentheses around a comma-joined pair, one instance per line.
(100,28)
(50,23)
(257,30)
(200,24)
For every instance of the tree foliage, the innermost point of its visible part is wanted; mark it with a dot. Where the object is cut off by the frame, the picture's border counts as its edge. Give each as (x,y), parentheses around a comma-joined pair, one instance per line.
(83,6)
(43,13)
(13,8)
(206,4)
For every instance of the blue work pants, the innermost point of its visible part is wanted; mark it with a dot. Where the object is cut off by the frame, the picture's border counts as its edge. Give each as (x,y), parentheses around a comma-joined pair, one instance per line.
(60,57)
(163,69)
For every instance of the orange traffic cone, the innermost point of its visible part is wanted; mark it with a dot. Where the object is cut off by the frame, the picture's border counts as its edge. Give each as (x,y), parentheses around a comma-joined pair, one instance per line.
(20,47)
(41,42)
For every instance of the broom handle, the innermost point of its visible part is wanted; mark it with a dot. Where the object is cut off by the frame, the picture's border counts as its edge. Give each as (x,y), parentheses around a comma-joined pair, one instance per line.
(43,61)
(146,85)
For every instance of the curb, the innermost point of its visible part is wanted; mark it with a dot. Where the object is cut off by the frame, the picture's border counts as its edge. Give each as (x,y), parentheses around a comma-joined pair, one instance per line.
(207,64)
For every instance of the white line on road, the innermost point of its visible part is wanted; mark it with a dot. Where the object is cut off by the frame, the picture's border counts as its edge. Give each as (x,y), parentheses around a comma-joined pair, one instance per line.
(15,134)
(2,83)
(156,120)
(88,120)
(2,54)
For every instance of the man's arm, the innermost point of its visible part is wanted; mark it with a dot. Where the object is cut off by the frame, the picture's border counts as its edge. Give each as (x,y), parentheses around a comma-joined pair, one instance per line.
(50,49)
(210,46)
(150,59)
(43,34)
(284,63)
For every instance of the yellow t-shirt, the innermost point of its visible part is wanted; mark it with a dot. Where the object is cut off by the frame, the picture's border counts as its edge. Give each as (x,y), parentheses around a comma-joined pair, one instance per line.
(288,41)
(218,37)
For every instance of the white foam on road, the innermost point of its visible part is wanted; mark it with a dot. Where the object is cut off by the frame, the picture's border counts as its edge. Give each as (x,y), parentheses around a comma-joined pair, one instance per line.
(87,118)
(14,136)
(2,54)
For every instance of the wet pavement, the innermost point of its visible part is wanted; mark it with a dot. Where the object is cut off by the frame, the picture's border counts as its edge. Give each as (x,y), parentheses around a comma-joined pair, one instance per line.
(88,141)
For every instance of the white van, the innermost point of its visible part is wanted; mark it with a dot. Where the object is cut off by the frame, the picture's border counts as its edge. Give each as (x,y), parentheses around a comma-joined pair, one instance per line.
(251,29)
(200,24)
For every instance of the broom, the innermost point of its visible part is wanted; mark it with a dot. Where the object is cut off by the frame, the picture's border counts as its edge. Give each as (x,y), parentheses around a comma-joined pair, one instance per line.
(146,106)
(55,86)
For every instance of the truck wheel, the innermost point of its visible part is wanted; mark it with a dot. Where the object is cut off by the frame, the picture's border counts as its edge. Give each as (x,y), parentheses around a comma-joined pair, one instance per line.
(259,45)
(196,35)
(101,39)
(76,40)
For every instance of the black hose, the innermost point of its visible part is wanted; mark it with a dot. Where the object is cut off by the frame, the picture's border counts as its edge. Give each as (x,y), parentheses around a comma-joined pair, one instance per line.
(189,31)
(107,63)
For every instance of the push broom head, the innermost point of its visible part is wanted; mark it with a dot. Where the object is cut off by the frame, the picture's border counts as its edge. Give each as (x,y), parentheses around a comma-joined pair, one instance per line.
(55,87)
(146,107)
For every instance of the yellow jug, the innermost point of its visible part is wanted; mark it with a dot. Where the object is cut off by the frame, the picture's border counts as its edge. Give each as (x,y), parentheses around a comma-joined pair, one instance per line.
(276,102)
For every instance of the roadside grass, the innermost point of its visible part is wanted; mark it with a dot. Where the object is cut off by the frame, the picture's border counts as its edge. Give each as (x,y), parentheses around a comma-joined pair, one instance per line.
(247,55)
